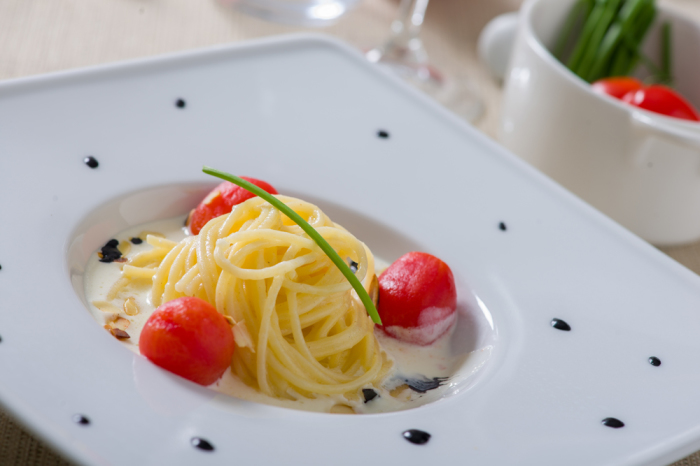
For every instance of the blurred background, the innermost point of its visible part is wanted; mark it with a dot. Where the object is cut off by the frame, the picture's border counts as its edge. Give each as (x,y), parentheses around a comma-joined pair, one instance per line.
(40,37)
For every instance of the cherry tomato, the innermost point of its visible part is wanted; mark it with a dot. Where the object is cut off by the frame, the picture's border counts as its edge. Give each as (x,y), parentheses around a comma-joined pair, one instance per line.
(188,337)
(663,100)
(617,86)
(417,298)
(221,200)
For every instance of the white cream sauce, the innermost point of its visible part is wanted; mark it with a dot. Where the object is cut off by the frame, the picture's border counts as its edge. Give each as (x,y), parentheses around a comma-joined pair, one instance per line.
(410,361)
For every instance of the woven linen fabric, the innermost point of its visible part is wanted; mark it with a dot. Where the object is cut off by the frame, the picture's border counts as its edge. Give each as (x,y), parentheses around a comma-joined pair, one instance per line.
(17,447)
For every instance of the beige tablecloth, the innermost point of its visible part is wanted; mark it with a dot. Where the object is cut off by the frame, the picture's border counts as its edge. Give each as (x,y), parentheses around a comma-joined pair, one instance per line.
(39,36)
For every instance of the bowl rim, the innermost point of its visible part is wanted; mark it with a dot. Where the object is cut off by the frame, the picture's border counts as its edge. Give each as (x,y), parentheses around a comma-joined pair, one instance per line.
(534,42)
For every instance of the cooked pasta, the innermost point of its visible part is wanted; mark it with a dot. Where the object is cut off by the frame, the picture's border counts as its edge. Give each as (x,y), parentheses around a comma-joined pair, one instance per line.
(300,328)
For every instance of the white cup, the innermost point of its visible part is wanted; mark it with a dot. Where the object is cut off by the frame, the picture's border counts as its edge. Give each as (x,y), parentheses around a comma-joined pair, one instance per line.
(640,168)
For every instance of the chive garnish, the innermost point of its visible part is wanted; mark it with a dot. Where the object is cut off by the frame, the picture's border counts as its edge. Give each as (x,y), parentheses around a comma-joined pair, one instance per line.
(603,38)
(309,230)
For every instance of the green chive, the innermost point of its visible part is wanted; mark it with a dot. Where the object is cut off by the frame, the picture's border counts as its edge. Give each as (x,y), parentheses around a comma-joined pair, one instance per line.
(587,61)
(634,39)
(605,53)
(578,13)
(626,20)
(608,42)
(309,230)
(585,35)
(620,61)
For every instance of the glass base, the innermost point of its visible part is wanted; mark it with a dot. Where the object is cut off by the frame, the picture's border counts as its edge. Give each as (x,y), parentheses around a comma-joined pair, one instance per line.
(456,93)
(308,13)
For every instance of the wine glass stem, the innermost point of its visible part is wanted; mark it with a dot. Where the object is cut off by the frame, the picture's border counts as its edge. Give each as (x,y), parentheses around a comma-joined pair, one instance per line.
(405,44)
(410,20)
(405,55)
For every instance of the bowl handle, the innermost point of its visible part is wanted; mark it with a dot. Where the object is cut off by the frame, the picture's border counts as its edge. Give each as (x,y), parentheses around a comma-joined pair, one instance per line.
(496,43)
(665,130)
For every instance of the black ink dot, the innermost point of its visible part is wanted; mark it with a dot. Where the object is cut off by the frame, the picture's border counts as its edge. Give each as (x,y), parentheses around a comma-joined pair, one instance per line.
(383,134)
(416,436)
(654,361)
(80,419)
(422,384)
(202,444)
(369,394)
(0,267)
(91,161)
(612,422)
(502,226)
(110,252)
(179,103)
(136,240)
(560,325)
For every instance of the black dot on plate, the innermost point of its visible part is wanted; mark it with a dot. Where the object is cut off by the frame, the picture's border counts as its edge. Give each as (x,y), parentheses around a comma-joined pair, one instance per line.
(416,436)
(179,103)
(91,161)
(502,226)
(654,361)
(560,325)
(136,240)
(81,420)
(383,134)
(612,422)
(202,444)
(369,394)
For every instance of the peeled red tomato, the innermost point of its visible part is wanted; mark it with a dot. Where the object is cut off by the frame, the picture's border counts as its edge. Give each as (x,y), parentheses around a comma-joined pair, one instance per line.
(663,100)
(656,98)
(617,86)
(417,298)
(188,337)
(221,200)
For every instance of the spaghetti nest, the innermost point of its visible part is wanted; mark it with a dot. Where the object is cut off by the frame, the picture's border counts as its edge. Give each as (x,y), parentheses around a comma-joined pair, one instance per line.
(299,326)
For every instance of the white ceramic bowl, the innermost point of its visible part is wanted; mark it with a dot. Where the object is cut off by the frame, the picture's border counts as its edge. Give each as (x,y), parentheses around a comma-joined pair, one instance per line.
(638,167)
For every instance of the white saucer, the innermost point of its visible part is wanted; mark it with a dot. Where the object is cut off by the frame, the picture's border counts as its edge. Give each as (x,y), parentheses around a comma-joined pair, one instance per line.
(305,114)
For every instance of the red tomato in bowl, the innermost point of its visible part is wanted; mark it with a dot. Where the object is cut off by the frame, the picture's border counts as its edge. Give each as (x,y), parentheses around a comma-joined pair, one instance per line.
(663,100)
(221,200)
(617,86)
(417,298)
(190,338)
(657,98)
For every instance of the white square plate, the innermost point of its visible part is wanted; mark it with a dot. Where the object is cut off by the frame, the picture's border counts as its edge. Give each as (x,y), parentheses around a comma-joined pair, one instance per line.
(303,113)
